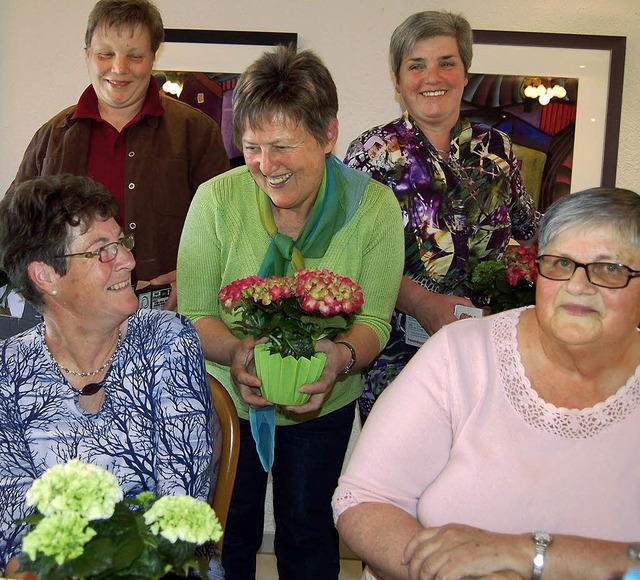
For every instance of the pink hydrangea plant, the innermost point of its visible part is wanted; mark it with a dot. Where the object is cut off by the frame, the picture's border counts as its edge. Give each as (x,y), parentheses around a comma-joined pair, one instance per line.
(294,312)
(520,262)
(505,284)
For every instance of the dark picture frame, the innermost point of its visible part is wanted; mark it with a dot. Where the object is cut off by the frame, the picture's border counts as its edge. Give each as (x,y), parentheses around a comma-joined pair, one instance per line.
(255,38)
(598,64)
(216,50)
(207,63)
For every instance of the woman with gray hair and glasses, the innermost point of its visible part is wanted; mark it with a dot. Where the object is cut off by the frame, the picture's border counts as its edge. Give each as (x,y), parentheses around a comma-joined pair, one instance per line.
(508,445)
(99,380)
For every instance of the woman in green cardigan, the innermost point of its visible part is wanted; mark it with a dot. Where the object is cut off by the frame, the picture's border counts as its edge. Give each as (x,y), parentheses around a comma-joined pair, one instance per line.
(293,203)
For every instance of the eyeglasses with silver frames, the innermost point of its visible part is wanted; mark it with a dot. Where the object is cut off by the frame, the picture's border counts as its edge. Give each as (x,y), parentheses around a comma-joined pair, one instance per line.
(602,274)
(105,253)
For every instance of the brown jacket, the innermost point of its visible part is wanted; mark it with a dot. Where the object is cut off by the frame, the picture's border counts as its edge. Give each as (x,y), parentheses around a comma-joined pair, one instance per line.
(168,157)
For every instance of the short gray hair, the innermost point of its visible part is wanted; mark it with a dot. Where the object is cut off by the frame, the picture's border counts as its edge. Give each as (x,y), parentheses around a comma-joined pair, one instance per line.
(591,209)
(429,24)
(297,86)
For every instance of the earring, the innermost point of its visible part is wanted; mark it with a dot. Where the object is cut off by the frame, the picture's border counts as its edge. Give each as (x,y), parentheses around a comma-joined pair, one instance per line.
(54,292)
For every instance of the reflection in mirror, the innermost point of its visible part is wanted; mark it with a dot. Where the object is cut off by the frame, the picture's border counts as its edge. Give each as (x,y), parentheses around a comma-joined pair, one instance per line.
(211,93)
(541,125)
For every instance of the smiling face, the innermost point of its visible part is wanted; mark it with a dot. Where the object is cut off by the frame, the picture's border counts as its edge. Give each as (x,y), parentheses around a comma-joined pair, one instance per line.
(94,290)
(431,81)
(287,162)
(576,312)
(120,62)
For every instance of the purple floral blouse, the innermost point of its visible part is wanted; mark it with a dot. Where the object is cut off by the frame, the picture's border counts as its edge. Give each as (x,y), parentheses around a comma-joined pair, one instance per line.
(457,211)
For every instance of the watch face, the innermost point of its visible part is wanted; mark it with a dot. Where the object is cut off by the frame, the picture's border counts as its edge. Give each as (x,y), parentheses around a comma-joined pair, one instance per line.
(542,538)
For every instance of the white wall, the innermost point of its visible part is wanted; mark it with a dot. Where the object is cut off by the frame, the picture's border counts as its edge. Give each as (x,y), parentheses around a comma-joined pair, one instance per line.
(42,57)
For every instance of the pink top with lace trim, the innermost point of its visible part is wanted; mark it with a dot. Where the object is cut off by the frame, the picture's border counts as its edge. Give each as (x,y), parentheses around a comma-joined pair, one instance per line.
(462,437)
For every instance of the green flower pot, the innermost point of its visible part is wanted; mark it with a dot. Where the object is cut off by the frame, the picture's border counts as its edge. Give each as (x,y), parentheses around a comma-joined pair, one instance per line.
(282,377)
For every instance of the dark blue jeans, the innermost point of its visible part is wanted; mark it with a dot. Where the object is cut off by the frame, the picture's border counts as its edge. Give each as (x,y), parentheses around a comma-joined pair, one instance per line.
(308,461)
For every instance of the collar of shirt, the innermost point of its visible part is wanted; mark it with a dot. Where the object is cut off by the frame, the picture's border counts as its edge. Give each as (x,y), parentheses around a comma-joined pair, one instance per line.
(87,107)
(107,154)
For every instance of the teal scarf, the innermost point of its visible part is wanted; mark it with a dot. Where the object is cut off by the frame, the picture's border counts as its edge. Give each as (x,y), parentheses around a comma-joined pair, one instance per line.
(338,199)
(339,196)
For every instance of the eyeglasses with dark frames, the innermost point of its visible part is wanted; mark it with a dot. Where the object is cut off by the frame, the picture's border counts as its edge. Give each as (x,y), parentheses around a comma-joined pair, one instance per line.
(105,253)
(602,274)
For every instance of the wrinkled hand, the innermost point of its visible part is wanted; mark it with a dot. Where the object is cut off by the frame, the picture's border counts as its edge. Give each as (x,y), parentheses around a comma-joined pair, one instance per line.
(437,310)
(242,370)
(321,389)
(456,551)
(11,571)
(168,278)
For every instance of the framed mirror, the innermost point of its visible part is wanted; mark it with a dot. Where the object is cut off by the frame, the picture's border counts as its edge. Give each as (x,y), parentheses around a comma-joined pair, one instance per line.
(201,68)
(572,144)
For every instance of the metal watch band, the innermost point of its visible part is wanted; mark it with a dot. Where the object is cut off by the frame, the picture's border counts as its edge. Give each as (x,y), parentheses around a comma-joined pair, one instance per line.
(345,370)
(542,541)
(633,551)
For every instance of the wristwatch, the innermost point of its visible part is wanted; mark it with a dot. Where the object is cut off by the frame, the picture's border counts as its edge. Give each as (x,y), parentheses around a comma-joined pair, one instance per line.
(542,541)
(346,369)
(633,551)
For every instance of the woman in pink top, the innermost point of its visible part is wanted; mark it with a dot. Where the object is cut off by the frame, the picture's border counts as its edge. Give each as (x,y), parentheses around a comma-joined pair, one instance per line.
(507,448)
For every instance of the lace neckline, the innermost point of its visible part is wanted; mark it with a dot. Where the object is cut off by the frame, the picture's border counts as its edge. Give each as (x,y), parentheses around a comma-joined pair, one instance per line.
(535,411)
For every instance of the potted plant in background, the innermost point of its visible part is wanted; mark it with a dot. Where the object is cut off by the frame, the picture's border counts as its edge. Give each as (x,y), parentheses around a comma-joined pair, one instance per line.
(85,529)
(293,313)
(508,283)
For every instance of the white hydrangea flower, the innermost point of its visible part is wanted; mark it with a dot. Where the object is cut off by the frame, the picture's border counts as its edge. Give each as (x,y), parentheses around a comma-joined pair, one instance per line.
(183,518)
(61,535)
(76,487)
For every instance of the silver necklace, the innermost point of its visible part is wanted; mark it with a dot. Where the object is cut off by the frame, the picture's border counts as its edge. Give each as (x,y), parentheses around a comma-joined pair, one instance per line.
(43,330)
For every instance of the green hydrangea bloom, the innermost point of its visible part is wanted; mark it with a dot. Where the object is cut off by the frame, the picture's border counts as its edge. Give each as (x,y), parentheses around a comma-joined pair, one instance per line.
(183,518)
(76,487)
(146,499)
(487,272)
(61,535)
(146,496)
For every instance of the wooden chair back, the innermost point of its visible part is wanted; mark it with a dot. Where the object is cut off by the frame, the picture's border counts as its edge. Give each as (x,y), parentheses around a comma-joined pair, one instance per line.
(226,410)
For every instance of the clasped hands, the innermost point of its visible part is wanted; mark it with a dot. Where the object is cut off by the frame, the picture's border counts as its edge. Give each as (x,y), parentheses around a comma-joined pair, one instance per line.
(455,551)
(243,373)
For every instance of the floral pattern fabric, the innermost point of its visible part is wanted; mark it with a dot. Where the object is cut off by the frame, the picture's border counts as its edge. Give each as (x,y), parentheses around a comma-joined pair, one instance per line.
(155,430)
(458,211)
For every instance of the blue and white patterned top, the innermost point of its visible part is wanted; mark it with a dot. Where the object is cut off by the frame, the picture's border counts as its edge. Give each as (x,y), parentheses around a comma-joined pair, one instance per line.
(155,430)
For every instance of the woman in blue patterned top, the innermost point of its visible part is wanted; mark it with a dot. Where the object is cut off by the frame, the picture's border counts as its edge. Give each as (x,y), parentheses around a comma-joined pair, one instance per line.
(457,182)
(98,380)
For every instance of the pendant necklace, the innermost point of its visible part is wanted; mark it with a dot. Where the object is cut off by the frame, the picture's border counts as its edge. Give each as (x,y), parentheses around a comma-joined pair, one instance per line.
(91,388)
